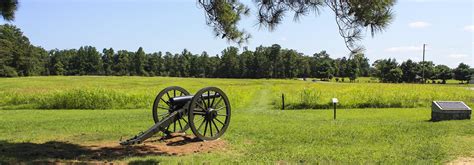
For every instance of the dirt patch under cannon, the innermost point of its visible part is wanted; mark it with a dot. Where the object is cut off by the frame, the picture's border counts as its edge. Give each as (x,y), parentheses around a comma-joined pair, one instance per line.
(55,151)
(177,144)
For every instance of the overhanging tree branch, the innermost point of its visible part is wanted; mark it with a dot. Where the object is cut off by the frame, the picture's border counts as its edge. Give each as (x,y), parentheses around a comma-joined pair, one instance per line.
(352,16)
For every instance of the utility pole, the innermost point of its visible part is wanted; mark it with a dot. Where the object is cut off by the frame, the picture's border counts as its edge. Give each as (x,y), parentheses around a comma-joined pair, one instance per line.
(423,67)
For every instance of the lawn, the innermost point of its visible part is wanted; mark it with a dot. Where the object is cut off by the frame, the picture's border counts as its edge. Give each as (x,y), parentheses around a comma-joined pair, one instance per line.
(259,131)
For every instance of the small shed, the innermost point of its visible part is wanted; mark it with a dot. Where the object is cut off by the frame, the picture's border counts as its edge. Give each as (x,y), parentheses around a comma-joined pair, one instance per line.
(450,110)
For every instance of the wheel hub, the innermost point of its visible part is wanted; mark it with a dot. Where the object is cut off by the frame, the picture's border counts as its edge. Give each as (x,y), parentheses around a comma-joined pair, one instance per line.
(211,113)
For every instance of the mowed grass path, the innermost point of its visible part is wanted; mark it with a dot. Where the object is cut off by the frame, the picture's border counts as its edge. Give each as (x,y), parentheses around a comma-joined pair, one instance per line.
(258,132)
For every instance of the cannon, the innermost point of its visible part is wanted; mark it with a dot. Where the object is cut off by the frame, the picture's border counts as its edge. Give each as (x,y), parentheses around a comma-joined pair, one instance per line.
(174,110)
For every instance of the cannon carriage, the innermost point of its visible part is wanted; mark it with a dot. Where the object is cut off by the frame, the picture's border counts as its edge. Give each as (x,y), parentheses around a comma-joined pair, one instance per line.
(174,110)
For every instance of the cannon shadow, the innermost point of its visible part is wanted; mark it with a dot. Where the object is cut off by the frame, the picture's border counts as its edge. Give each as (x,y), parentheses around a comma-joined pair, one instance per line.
(54,151)
(177,139)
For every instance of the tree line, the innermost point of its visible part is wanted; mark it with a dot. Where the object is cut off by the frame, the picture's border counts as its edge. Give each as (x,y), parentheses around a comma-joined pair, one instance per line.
(388,70)
(18,57)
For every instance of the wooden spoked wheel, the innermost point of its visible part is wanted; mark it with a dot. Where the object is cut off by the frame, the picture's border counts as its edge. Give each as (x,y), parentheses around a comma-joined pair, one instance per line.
(162,108)
(209,113)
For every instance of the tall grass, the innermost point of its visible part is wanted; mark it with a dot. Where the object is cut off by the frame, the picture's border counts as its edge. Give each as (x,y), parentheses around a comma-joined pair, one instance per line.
(81,98)
(368,95)
(108,92)
(91,92)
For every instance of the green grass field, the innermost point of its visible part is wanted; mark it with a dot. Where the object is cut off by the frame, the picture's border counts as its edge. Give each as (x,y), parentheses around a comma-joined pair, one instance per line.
(259,131)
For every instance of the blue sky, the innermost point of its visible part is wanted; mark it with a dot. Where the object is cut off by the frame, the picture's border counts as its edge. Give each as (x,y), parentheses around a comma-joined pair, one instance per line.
(446,26)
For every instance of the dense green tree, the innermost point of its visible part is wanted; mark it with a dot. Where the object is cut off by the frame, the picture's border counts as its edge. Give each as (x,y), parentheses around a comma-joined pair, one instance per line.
(362,64)
(59,68)
(315,64)
(326,71)
(321,66)
(373,72)
(122,63)
(12,45)
(174,67)
(387,70)
(353,69)
(215,62)
(7,71)
(410,71)
(290,63)
(168,62)
(108,61)
(154,64)
(341,66)
(337,67)
(62,58)
(443,72)
(206,65)
(304,68)
(87,61)
(395,75)
(17,56)
(262,64)
(195,66)
(183,63)
(462,72)
(276,63)
(245,63)
(428,68)
(54,58)
(230,63)
(138,63)
(31,63)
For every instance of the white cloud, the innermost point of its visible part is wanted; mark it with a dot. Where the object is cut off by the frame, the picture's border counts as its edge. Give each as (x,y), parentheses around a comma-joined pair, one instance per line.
(402,49)
(469,28)
(457,56)
(419,24)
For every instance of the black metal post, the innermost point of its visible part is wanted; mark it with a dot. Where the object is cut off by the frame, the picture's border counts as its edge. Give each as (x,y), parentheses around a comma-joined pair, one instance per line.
(282,101)
(334,110)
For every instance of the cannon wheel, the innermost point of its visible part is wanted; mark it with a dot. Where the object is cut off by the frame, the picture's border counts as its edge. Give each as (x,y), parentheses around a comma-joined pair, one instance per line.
(162,108)
(209,117)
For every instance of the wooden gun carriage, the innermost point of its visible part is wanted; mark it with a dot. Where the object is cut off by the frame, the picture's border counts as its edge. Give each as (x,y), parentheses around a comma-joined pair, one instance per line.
(207,113)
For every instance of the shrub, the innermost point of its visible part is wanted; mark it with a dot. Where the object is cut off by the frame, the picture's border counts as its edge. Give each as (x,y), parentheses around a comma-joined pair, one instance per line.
(6,71)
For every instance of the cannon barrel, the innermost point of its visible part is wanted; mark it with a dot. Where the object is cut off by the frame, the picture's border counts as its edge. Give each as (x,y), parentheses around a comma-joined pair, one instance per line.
(180,100)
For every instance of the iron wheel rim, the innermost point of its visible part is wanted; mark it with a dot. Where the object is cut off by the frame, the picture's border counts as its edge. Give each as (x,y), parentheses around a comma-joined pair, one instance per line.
(162,108)
(212,113)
